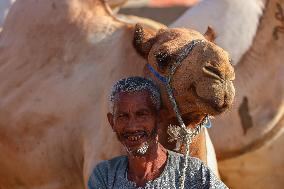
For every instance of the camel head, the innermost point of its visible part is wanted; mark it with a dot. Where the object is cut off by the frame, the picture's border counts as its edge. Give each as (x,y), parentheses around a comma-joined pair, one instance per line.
(202,83)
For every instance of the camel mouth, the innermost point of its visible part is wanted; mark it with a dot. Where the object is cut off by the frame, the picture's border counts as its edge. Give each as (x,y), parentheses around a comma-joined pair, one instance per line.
(190,117)
(217,108)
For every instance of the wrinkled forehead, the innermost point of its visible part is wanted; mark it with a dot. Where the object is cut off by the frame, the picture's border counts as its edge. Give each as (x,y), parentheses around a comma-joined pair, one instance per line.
(140,98)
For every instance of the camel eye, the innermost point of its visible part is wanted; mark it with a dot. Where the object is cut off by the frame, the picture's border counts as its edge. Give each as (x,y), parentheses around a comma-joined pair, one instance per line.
(163,59)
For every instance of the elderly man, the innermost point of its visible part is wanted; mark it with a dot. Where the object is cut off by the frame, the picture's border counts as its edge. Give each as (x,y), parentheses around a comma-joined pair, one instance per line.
(135,118)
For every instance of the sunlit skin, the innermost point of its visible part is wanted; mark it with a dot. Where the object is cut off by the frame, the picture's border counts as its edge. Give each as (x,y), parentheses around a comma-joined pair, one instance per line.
(135,121)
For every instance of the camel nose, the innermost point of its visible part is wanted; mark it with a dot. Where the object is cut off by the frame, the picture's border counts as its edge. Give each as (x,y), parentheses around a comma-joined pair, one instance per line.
(227,98)
(222,105)
(225,104)
(212,72)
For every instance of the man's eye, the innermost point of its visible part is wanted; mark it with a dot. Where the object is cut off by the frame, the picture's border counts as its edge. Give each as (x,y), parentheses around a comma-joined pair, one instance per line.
(142,113)
(121,115)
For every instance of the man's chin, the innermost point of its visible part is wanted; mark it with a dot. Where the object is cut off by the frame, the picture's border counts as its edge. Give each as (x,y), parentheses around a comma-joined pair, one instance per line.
(140,151)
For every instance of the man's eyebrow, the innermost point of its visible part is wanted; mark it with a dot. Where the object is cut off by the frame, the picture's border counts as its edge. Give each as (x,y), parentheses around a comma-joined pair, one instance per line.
(120,112)
(148,110)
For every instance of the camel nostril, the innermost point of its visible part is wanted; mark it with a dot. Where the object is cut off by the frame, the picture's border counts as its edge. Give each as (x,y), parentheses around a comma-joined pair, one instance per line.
(225,103)
(212,72)
(225,97)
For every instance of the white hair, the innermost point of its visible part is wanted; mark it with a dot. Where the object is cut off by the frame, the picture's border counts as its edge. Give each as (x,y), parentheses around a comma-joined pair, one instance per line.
(136,84)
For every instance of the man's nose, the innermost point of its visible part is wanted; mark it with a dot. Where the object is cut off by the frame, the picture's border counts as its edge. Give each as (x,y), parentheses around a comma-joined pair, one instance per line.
(133,124)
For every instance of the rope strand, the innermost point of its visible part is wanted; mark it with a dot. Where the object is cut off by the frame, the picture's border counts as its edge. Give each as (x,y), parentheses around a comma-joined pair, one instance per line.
(180,134)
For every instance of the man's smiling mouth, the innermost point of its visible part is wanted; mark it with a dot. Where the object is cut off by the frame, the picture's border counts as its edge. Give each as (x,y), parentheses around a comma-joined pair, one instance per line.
(135,136)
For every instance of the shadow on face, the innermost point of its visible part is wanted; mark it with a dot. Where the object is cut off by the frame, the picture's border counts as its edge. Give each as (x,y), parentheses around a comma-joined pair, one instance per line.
(134,120)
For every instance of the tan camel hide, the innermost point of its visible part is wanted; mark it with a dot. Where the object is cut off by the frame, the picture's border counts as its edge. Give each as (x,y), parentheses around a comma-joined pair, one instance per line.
(4,9)
(256,120)
(5,6)
(259,104)
(198,92)
(258,131)
(255,112)
(54,88)
(56,73)
(261,169)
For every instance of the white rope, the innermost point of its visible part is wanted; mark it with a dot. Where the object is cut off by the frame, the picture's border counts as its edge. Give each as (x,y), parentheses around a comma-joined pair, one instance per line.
(181,135)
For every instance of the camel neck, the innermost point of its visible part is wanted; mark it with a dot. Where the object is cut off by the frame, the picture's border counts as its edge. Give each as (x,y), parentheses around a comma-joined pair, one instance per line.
(269,32)
(40,22)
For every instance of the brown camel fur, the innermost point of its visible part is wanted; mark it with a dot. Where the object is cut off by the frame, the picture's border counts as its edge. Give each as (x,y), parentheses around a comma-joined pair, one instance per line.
(56,72)
(202,84)
(249,139)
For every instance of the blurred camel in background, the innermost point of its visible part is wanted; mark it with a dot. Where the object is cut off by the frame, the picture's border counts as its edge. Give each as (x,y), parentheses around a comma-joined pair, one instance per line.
(249,139)
(56,72)
(252,31)
(4,9)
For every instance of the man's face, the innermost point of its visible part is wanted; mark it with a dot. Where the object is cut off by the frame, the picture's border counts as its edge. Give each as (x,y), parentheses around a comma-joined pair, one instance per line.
(134,120)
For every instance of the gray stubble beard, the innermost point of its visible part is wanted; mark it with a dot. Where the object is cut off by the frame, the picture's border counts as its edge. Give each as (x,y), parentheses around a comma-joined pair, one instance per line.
(144,148)
(139,152)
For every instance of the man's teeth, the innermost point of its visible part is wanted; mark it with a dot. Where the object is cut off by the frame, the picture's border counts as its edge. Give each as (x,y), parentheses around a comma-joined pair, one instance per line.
(134,138)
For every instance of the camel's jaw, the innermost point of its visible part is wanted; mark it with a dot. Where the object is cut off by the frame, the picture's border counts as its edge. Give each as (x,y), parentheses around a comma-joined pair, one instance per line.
(204,84)
(215,101)
(200,72)
(197,100)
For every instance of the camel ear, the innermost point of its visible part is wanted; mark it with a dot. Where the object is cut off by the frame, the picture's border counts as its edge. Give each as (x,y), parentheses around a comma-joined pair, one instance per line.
(143,40)
(210,34)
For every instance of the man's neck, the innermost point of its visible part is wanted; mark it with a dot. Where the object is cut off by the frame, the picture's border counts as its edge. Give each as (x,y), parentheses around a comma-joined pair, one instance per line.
(148,167)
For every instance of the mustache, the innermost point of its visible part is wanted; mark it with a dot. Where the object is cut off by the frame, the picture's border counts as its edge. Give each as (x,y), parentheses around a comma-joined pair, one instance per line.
(148,134)
(135,133)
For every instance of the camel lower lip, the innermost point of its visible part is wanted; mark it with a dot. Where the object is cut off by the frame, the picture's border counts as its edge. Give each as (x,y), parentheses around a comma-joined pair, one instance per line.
(219,109)
(215,106)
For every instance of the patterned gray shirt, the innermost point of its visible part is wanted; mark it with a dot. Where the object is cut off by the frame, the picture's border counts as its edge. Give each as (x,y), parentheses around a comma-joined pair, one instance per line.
(113,174)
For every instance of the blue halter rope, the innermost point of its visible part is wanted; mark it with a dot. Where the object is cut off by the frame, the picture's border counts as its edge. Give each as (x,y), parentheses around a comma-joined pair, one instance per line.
(157,74)
(166,80)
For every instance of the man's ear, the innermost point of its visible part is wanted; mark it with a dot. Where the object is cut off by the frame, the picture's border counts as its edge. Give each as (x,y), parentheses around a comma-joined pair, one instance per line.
(110,120)
(143,40)
(210,34)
